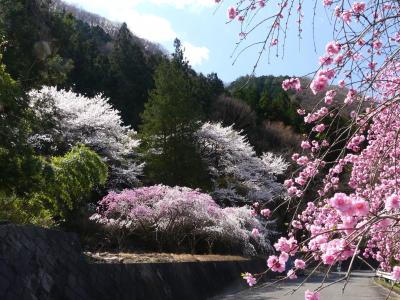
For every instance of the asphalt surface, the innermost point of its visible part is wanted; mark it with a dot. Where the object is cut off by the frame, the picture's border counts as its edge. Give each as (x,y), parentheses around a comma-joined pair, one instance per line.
(360,286)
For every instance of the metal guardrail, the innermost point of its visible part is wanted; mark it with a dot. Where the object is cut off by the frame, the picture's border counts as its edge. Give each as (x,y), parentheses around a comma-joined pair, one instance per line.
(385,275)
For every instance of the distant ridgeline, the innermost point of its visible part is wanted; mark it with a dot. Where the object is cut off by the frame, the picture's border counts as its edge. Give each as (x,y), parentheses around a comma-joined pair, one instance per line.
(110,27)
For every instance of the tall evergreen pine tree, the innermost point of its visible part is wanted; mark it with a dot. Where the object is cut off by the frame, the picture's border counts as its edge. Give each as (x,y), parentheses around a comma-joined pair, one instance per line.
(170,119)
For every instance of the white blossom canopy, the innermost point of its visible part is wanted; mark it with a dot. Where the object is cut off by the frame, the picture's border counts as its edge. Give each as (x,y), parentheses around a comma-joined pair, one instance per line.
(90,121)
(239,175)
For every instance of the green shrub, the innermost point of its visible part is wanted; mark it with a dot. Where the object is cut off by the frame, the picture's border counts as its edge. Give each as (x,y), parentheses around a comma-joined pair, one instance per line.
(66,185)
(24,211)
(75,175)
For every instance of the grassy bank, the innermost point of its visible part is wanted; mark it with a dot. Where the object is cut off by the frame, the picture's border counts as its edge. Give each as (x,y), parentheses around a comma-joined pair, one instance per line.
(388,285)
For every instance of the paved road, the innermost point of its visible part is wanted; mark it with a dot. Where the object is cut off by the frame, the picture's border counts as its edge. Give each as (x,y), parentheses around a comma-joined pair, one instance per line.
(361,286)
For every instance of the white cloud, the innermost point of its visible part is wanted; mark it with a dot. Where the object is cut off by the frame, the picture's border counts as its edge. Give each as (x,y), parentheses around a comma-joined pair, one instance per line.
(180,4)
(195,55)
(151,27)
(196,4)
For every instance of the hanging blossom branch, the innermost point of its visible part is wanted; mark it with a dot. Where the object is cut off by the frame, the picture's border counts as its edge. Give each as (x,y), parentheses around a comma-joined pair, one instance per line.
(359,157)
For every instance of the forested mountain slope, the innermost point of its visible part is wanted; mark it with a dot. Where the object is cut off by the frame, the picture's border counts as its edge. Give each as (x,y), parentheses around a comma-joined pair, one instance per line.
(52,43)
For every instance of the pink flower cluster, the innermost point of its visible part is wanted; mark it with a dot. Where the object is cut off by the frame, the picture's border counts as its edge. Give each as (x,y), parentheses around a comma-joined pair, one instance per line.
(329,96)
(232,12)
(265,212)
(288,246)
(392,202)
(277,264)
(321,80)
(299,264)
(319,128)
(292,83)
(332,48)
(327,2)
(348,207)
(351,95)
(310,169)
(313,117)
(355,142)
(335,250)
(396,273)
(251,280)
(309,295)
(358,7)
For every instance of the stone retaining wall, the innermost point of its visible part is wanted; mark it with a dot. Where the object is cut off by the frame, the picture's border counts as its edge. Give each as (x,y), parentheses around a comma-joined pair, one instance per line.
(43,264)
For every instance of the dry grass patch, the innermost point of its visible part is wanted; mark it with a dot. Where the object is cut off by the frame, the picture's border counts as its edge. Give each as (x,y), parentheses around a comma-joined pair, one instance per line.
(132,258)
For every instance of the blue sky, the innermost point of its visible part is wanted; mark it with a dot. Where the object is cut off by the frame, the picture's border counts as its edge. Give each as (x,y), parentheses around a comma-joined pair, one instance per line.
(208,40)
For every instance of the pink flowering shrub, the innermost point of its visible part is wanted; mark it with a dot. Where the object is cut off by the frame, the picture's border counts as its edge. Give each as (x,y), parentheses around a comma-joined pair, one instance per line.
(178,218)
(396,273)
(356,211)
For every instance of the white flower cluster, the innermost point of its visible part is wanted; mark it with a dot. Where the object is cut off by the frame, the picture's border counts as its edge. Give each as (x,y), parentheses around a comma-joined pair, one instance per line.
(239,175)
(90,121)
